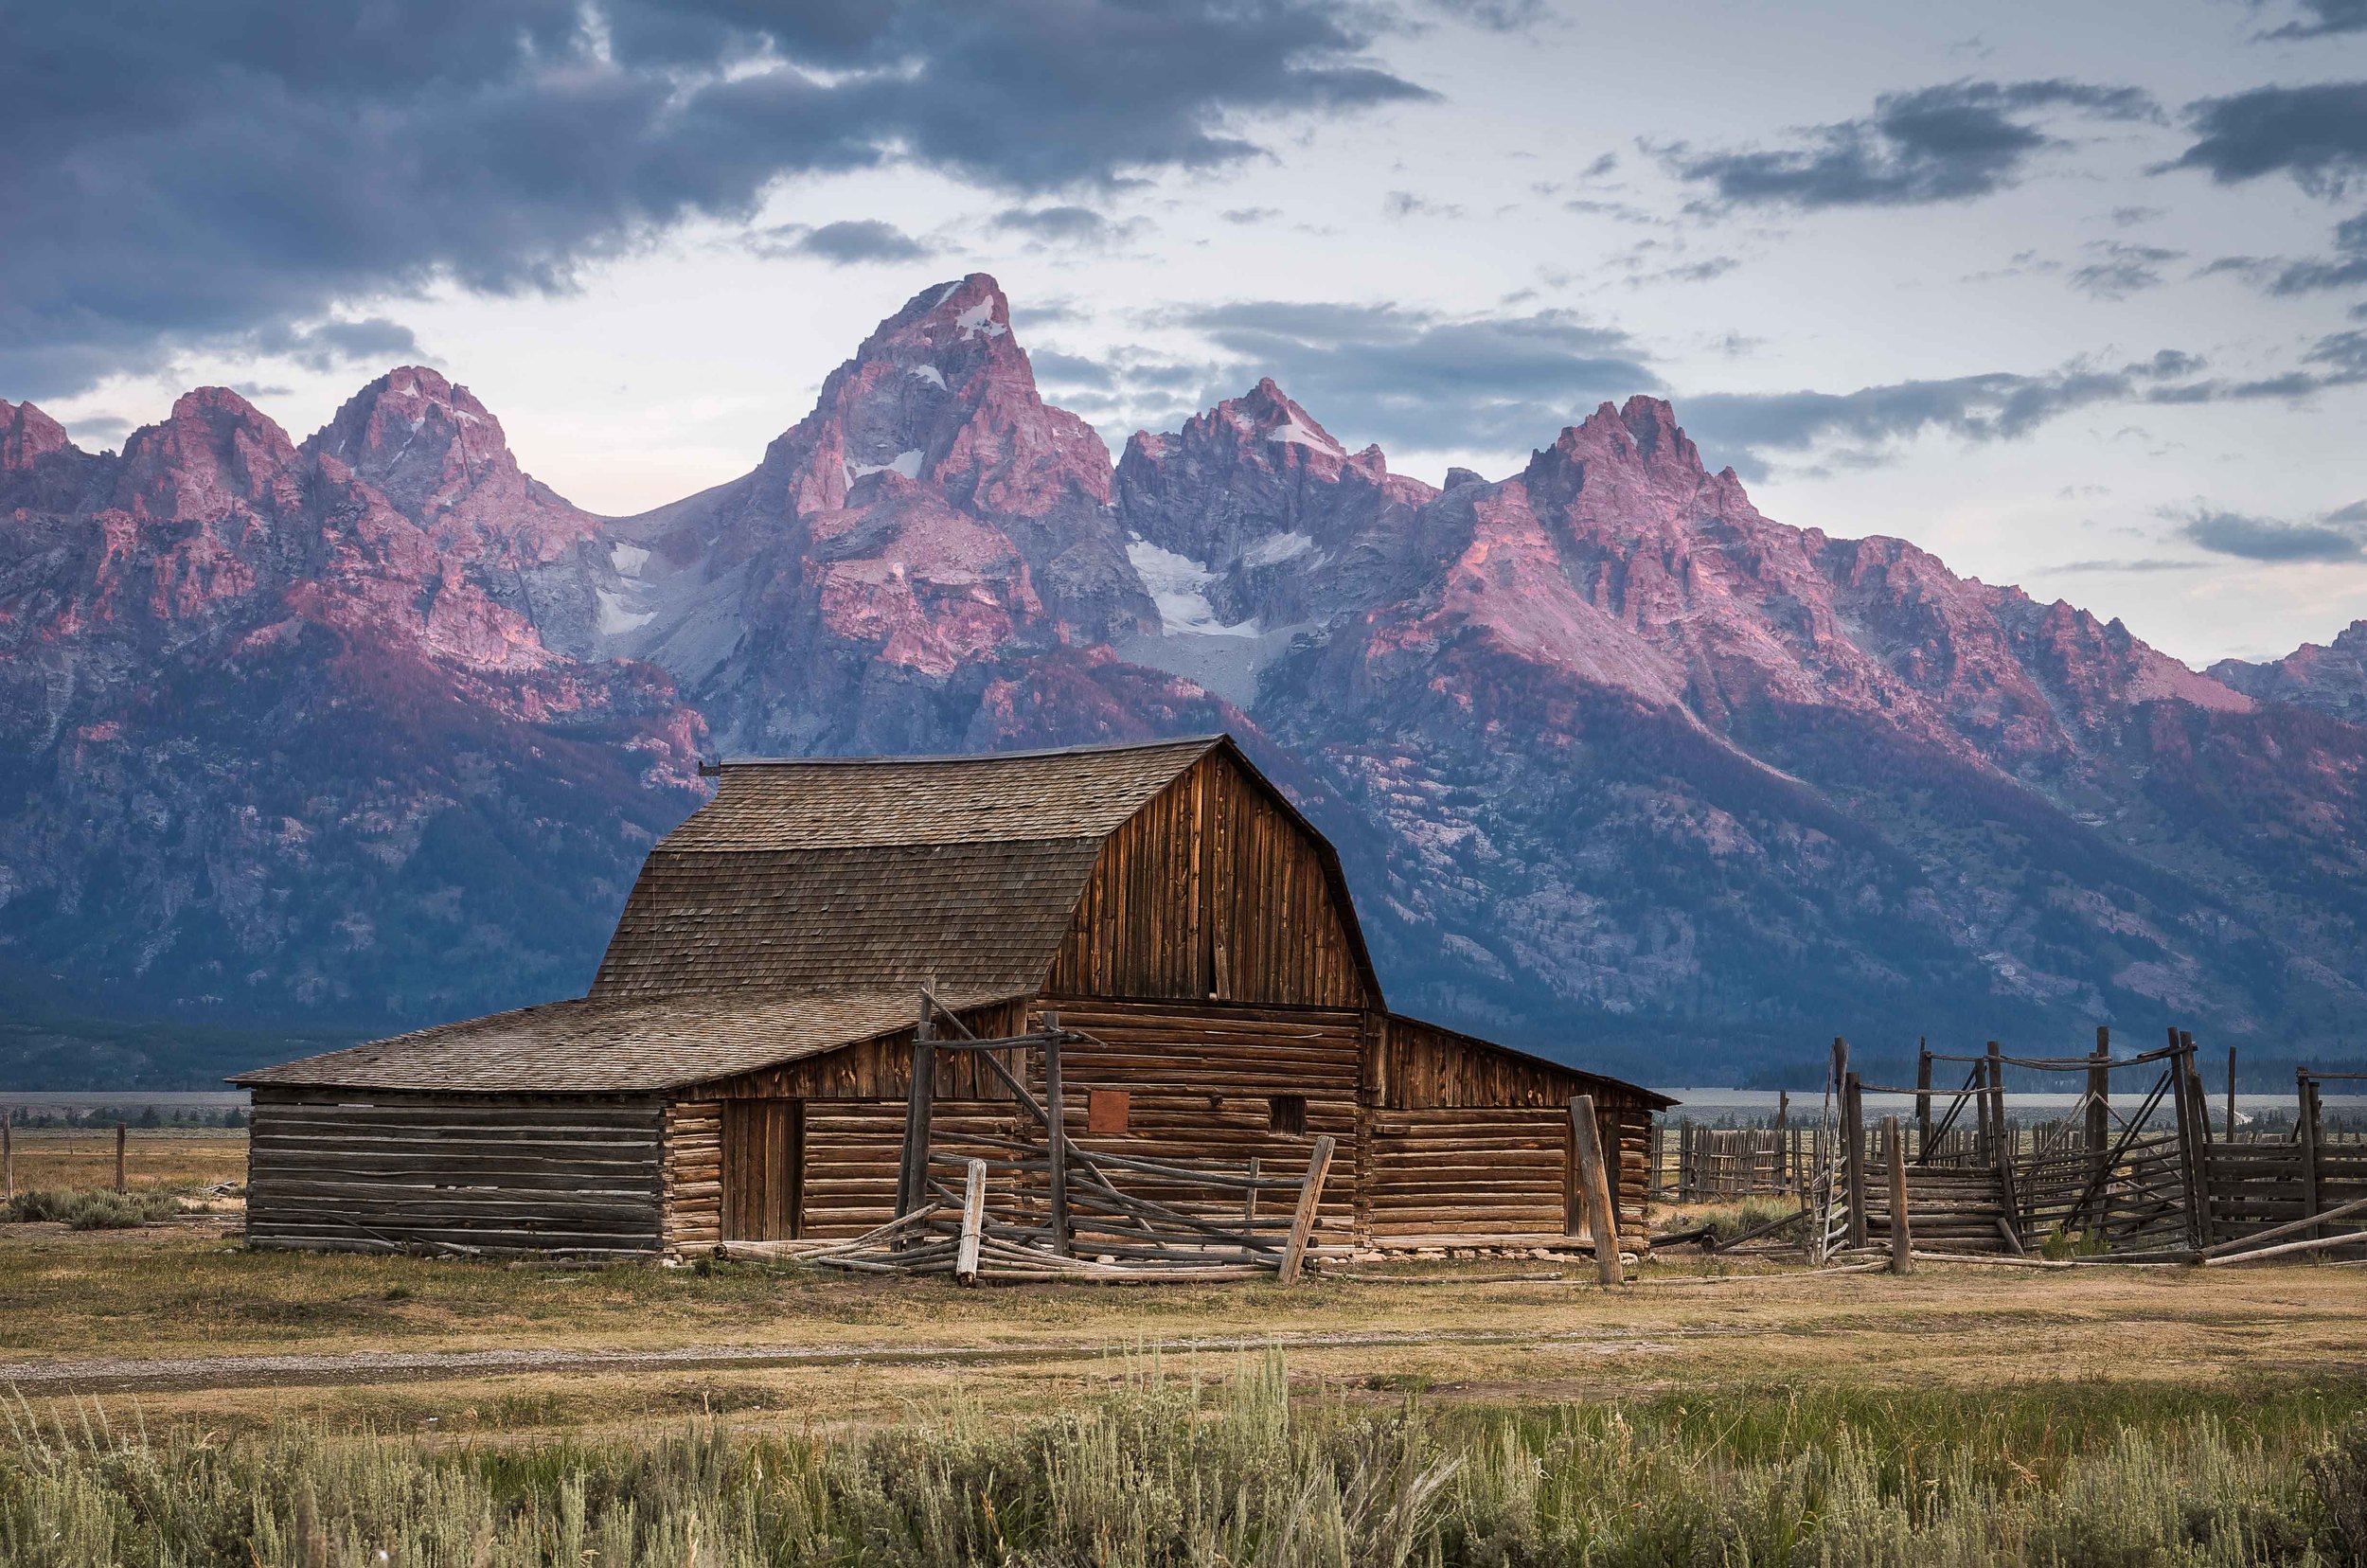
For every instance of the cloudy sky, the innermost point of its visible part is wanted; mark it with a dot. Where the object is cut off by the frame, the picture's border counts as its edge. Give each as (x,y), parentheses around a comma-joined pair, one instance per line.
(2074,296)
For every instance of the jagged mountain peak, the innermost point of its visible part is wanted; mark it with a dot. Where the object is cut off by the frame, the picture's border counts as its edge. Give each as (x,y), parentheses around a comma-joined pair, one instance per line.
(27,435)
(420,439)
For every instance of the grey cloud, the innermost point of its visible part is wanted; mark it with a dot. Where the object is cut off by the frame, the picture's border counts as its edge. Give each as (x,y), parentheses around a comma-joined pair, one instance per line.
(324,346)
(187,175)
(1064,225)
(1495,15)
(2323,16)
(1250,215)
(2345,268)
(848,243)
(2269,539)
(2000,405)
(1953,142)
(2355,513)
(2120,269)
(1067,372)
(1421,379)
(2146,564)
(1404,203)
(2316,133)
(100,430)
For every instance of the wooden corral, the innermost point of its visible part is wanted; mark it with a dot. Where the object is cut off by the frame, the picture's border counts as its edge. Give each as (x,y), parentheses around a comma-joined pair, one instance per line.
(2128,1177)
(751,1034)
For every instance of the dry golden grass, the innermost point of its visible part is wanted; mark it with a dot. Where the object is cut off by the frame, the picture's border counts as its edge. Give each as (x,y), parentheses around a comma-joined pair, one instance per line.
(170,1292)
(83,1159)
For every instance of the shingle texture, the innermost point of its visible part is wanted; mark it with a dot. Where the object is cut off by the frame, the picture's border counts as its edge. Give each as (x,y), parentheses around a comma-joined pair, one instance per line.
(798,911)
(589,1047)
(1084,792)
(880,874)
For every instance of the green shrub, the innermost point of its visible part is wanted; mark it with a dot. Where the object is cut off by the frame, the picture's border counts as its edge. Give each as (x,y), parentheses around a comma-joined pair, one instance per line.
(91,1210)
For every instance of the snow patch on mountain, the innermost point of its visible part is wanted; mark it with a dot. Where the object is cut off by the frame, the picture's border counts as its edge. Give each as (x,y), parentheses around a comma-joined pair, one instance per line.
(628,559)
(615,619)
(1179,586)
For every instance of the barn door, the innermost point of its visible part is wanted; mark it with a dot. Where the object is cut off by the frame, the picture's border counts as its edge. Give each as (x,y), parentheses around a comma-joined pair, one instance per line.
(764,1169)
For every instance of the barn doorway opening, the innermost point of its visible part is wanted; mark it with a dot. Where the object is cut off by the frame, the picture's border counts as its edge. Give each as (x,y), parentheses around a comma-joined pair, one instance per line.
(764,1169)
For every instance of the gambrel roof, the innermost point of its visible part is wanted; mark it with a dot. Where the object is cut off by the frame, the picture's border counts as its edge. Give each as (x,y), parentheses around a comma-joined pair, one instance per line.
(802,909)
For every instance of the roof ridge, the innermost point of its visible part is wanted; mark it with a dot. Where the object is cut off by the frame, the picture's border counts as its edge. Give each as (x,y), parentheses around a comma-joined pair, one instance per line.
(899,760)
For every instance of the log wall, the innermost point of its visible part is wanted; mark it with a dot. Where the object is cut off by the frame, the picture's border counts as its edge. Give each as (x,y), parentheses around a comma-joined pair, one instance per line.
(694,1175)
(1201,1080)
(1476,1171)
(1215,890)
(479,1172)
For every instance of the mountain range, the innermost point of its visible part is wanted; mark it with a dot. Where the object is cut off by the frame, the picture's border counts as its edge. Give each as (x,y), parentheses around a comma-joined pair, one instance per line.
(372,729)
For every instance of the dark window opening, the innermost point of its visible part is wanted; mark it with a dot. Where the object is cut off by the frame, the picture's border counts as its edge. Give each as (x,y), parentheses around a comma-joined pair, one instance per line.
(1287,1114)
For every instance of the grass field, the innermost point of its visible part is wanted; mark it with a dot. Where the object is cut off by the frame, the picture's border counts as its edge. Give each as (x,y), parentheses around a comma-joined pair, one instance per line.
(1714,1412)
(174,1160)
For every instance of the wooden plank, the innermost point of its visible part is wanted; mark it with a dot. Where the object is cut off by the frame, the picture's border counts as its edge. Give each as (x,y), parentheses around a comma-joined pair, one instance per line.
(1302,1222)
(1901,1217)
(1602,1216)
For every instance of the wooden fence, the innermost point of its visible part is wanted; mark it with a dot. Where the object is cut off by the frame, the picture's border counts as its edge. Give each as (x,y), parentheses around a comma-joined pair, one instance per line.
(2127,1176)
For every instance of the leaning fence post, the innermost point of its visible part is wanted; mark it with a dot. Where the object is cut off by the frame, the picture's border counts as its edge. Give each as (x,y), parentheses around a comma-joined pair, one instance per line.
(1311,1198)
(1902,1242)
(1594,1180)
(973,1224)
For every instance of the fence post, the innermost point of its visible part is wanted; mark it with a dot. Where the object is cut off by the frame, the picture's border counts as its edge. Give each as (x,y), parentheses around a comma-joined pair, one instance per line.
(7,1154)
(2204,1230)
(123,1134)
(2188,1155)
(1852,1129)
(912,1176)
(1602,1207)
(1783,1140)
(1902,1242)
(1923,1100)
(1997,1101)
(1057,1174)
(2231,1093)
(973,1223)
(1311,1198)
(2306,1126)
(2098,1123)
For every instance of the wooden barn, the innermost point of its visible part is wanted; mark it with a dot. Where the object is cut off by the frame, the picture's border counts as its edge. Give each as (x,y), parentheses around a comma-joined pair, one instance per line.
(742,1068)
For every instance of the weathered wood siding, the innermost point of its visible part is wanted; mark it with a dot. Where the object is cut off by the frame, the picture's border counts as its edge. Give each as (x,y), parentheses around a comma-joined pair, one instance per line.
(1201,1080)
(852,1148)
(1213,890)
(694,1175)
(764,1168)
(882,1068)
(1470,1139)
(378,1171)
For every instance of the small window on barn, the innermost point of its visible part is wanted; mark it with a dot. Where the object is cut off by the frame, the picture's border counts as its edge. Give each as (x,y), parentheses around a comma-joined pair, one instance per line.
(1106,1109)
(1287,1114)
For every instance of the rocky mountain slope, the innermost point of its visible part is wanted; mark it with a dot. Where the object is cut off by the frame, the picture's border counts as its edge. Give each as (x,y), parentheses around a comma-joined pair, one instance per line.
(376,724)
(2332,679)
(284,739)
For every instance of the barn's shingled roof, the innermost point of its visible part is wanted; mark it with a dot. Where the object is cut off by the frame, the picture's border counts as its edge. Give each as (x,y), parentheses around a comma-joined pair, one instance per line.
(591,1048)
(800,910)
(880,873)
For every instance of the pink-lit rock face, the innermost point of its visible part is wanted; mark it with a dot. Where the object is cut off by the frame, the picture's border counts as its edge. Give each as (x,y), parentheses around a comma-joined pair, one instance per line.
(26,435)
(378,722)
(299,727)
(2330,680)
